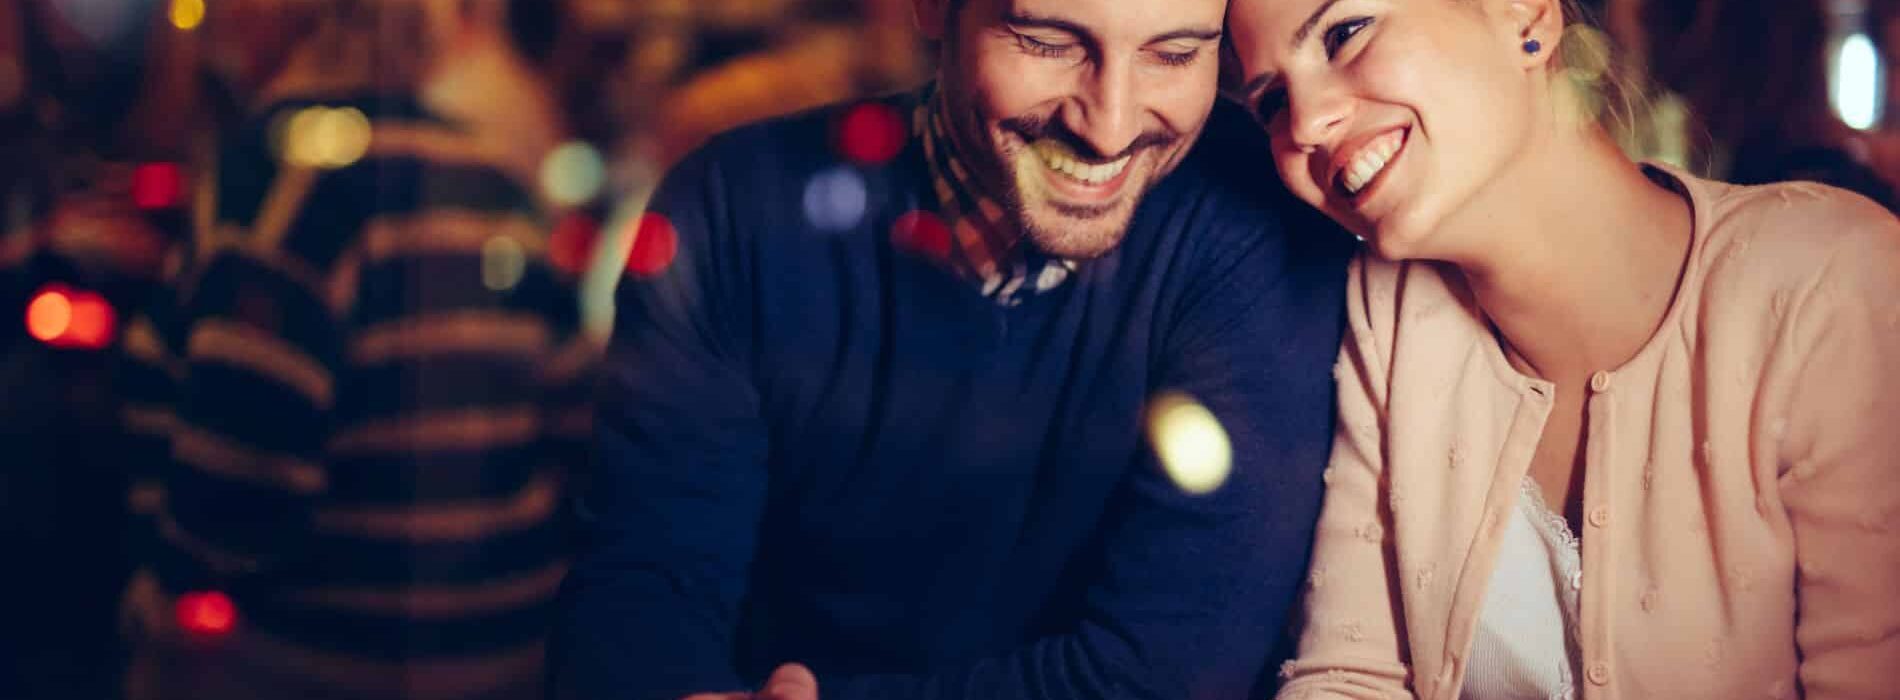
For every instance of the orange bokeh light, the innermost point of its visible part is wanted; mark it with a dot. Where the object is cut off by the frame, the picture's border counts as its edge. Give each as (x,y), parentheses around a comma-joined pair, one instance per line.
(67,318)
(93,322)
(50,315)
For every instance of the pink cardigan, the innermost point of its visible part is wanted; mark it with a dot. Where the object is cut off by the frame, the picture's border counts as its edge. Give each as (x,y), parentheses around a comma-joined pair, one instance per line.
(1742,474)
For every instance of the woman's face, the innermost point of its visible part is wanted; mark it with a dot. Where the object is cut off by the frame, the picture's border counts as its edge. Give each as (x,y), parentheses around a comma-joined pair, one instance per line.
(1394,117)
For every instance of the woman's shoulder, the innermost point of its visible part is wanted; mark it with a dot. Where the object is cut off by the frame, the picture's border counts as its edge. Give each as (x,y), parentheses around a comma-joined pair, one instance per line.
(1793,227)
(1771,247)
(1760,244)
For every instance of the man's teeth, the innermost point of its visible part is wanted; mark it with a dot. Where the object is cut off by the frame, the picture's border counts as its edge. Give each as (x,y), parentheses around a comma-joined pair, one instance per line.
(1059,158)
(1370,161)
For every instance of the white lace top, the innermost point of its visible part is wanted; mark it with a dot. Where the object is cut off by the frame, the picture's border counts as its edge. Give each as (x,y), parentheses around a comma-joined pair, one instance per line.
(1526,643)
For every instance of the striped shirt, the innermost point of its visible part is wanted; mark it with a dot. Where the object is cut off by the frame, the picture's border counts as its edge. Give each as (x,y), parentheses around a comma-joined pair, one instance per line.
(371,388)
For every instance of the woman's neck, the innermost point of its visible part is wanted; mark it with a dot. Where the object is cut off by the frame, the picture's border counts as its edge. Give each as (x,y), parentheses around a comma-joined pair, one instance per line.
(1577,256)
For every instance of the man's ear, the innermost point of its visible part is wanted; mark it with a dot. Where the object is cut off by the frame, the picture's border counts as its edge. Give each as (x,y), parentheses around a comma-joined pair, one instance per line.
(932,18)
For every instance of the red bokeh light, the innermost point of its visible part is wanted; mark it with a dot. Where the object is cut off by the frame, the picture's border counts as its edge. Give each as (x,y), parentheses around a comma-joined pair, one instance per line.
(66,318)
(49,315)
(206,614)
(571,246)
(871,134)
(158,186)
(922,232)
(655,244)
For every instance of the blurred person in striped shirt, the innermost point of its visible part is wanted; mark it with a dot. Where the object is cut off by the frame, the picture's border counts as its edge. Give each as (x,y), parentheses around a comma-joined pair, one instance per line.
(365,391)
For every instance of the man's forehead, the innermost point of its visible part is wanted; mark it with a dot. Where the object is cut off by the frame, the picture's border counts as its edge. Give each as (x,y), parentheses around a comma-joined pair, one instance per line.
(1122,18)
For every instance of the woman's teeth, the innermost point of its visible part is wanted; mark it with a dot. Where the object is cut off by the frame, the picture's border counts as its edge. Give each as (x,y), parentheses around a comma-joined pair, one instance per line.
(1370,161)
(1056,156)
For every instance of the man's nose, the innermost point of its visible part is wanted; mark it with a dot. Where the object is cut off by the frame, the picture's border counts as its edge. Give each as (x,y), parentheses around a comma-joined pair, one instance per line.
(1106,114)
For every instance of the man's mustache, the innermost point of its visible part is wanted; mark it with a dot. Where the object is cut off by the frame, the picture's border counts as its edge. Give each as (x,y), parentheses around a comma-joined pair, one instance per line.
(1033,129)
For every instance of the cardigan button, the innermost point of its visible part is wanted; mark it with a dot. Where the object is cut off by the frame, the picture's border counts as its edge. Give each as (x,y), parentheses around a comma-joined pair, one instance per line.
(1600,382)
(1600,516)
(1599,673)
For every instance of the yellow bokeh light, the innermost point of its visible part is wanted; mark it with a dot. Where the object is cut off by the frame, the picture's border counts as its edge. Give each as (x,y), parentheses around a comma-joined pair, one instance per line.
(188,14)
(320,137)
(1190,442)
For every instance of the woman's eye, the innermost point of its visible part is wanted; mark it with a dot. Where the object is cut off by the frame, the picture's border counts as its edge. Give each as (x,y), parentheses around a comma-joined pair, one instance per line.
(1338,34)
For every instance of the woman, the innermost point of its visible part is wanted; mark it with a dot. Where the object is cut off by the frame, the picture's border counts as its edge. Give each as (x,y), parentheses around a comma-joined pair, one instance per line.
(1700,380)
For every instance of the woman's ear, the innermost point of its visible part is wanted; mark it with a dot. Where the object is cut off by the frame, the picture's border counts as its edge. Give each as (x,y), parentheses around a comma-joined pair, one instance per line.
(1538,28)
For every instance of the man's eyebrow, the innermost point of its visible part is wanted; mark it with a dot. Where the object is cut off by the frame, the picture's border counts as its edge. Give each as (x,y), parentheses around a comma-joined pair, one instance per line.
(1024,19)
(1312,22)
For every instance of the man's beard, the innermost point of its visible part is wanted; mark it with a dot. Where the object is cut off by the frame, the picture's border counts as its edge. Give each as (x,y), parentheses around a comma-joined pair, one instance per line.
(1061,237)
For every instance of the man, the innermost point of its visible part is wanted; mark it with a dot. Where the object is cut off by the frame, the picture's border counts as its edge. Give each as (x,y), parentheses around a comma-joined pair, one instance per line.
(376,383)
(879,422)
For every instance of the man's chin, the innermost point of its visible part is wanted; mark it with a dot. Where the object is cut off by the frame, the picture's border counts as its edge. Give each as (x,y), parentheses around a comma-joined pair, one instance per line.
(1078,234)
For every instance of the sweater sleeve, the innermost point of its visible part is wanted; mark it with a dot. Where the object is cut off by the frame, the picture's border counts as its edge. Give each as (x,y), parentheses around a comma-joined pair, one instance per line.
(1842,487)
(1191,594)
(1350,645)
(669,517)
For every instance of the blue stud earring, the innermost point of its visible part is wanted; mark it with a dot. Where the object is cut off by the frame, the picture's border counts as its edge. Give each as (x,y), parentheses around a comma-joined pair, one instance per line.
(1532,46)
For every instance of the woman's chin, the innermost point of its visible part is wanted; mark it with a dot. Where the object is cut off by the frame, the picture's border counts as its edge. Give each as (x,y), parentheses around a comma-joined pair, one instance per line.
(1393,242)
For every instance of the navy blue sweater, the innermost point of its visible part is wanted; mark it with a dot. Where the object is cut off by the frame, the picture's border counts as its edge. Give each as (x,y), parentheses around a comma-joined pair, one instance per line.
(814,446)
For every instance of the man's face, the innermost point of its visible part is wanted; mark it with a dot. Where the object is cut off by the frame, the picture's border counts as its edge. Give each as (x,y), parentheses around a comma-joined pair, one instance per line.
(1068,111)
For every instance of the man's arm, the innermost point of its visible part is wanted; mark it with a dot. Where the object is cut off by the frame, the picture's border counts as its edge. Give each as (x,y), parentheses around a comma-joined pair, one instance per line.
(1192,594)
(671,513)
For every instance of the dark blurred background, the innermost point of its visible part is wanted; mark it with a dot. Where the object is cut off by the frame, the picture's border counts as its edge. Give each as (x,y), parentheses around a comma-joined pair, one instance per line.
(115,113)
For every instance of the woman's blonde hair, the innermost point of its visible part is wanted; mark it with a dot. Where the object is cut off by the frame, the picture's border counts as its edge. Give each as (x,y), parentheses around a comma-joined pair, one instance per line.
(1605,83)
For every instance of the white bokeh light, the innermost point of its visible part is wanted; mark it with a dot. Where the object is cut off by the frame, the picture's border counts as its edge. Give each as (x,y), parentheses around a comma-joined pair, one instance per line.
(1856,82)
(573,174)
